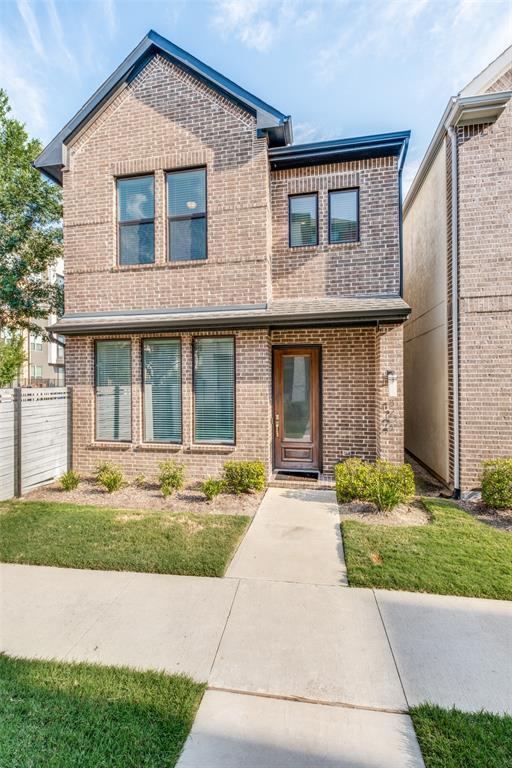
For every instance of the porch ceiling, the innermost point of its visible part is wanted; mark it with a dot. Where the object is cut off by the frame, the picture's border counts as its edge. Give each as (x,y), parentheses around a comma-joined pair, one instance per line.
(279,313)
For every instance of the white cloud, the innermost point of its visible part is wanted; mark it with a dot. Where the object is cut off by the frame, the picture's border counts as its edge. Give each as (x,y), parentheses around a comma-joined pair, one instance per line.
(110,14)
(31,26)
(26,97)
(58,33)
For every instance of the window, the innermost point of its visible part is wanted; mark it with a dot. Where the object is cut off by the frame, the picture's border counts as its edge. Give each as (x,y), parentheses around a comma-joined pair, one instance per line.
(113,390)
(344,216)
(61,379)
(186,210)
(214,390)
(162,390)
(60,348)
(136,212)
(302,217)
(36,371)
(36,342)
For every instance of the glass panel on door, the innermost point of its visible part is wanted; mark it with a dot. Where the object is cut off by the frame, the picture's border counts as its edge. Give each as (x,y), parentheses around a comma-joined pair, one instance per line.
(296,398)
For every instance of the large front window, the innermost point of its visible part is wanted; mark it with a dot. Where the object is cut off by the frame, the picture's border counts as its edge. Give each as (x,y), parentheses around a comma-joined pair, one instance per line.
(162,390)
(303,216)
(344,216)
(114,390)
(214,390)
(186,210)
(136,219)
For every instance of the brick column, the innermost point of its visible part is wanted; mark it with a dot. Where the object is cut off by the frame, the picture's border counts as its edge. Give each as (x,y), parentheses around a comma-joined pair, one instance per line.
(389,411)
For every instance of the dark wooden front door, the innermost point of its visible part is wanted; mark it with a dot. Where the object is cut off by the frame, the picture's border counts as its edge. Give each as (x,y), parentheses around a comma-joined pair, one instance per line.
(297,408)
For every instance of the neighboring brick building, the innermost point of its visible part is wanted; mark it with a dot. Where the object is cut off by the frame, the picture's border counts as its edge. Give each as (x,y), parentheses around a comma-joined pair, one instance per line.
(458,280)
(228,294)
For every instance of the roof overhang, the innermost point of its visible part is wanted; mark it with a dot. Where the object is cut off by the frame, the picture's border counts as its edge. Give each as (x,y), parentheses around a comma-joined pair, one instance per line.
(460,110)
(340,150)
(269,121)
(304,313)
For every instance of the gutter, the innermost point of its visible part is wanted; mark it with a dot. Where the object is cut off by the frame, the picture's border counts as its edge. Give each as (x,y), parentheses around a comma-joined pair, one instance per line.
(452,133)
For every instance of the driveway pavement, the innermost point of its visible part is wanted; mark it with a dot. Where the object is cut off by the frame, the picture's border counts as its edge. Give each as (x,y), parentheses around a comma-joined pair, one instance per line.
(300,674)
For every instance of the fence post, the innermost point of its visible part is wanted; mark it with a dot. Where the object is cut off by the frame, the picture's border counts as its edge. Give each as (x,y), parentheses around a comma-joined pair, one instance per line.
(17,441)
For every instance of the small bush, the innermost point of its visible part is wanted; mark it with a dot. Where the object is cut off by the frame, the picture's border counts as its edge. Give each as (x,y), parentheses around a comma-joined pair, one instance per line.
(383,483)
(390,485)
(352,478)
(171,477)
(69,480)
(110,477)
(244,476)
(140,481)
(211,487)
(497,483)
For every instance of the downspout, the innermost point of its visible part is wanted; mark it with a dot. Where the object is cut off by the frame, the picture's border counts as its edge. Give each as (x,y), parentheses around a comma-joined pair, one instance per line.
(401,161)
(452,133)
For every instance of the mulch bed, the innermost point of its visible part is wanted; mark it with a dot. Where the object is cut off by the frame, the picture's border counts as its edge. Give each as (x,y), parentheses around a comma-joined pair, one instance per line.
(131,497)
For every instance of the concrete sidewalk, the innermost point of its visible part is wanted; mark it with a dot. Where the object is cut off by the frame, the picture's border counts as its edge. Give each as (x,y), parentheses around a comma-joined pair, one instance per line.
(307,675)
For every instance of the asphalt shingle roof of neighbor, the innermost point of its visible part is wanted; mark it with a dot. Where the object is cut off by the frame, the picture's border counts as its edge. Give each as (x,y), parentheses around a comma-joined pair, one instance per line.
(276,313)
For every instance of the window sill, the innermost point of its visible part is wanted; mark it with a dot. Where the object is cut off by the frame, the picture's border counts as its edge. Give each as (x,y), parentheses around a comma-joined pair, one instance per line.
(109,446)
(158,267)
(161,447)
(210,448)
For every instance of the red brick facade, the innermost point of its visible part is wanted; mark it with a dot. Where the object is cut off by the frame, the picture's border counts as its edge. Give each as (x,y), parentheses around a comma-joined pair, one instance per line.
(165,120)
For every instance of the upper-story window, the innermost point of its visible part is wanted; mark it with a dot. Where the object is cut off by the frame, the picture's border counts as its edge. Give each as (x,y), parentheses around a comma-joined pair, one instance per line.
(136,218)
(344,216)
(303,220)
(36,342)
(186,210)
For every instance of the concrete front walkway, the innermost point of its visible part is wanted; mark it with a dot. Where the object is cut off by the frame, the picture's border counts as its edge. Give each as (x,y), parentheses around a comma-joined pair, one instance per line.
(302,675)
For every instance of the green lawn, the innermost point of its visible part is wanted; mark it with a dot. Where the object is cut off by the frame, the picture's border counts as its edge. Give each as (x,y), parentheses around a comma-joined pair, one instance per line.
(67,535)
(453,739)
(56,715)
(454,555)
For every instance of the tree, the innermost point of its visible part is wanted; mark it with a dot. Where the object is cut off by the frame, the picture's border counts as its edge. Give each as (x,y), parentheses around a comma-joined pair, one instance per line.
(12,357)
(30,229)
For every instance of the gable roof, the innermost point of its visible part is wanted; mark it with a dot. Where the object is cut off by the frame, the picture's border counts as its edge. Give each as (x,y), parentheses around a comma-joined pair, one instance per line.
(269,120)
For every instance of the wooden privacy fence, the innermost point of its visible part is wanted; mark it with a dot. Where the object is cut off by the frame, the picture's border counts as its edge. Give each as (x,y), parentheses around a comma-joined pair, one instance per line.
(35,437)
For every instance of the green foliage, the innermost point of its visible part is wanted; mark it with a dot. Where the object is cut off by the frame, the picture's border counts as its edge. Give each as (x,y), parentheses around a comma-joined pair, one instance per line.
(30,231)
(57,715)
(390,485)
(351,478)
(211,487)
(12,357)
(140,481)
(170,477)
(382,483)
(109,476)
(497,483)
(70,480)
(244,476)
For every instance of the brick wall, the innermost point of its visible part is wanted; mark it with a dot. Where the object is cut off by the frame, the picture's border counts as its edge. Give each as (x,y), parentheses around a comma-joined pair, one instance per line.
(253,403)
(165,120)
(370,266)
(485,289)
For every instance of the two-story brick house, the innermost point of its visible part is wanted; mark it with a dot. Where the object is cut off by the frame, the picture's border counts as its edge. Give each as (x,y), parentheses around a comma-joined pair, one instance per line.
(228,294)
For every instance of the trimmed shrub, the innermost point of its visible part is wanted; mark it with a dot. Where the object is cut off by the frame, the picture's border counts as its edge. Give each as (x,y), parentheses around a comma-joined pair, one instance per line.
(352,478)
(244,476)
(140,481)
(101,468)
(110,477)
(390,485)
(497,483)
(170,477)
(383,483)
(69,480)
(211,487)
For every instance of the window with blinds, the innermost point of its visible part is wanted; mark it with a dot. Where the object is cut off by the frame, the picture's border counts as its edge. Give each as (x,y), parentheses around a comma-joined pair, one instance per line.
(114,390)
(162,390)
(186,210)
(214,390)
(136,219)
(344,216)
(303,216)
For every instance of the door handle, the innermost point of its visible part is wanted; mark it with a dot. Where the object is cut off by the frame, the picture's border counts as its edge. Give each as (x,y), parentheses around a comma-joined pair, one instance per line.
(277,425)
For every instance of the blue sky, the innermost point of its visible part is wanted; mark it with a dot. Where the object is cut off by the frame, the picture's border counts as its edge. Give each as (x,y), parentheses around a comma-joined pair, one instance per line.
(339,67)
